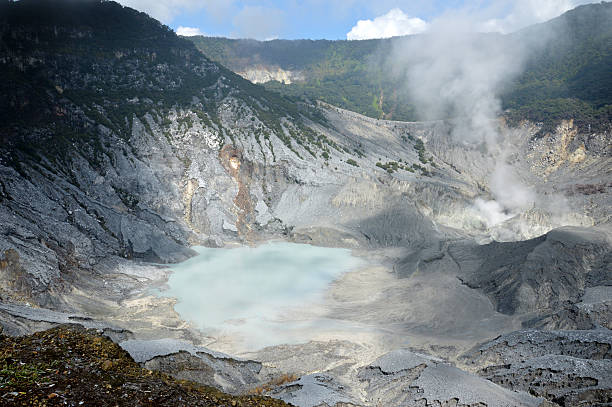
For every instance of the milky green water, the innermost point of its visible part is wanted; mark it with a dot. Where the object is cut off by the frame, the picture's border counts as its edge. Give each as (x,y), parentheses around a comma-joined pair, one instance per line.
(261,296)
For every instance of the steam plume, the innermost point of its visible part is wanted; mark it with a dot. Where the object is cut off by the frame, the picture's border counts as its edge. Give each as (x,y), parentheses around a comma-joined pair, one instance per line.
(454,73)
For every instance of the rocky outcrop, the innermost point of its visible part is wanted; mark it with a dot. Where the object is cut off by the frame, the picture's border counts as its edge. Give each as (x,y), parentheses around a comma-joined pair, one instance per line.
(264,74)
(69,365)
(566,367)
(184,361)
(403,378)
(315,390)
(23,320)
(538,275)
(522,345)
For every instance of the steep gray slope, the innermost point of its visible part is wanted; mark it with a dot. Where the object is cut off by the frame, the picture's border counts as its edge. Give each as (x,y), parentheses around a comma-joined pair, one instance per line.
(538,275)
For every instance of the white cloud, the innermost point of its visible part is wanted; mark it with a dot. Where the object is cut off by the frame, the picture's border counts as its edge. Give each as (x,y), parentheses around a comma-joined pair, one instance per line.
(392,24)
(189,31)
(527,12)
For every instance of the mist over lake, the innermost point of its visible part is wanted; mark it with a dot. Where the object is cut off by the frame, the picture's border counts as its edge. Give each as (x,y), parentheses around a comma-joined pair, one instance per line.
(261,292)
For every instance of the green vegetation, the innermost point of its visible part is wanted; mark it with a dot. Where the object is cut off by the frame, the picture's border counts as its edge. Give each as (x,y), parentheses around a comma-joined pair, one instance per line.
(394,166)
(342,73)
(419,146)
(422,169)
(69,365)
(390,166)
(550,112)
(570,78)
(13,373)
(95,63)
(100,64)
(352,162)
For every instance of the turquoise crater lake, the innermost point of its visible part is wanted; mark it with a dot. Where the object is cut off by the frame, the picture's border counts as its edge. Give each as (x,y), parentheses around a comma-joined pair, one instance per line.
(259,296)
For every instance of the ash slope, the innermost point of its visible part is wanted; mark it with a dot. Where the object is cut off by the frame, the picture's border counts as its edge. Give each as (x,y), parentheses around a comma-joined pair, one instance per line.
(144,147)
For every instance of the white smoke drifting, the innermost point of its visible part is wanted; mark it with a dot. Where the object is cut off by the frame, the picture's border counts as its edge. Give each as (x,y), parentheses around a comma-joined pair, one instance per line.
(511,196)
(492,211)
(452,72)
(509,191)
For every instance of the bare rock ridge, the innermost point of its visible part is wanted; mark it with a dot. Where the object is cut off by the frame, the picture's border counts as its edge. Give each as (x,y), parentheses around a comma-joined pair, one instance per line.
(519,279)
(567,367)
(115,162)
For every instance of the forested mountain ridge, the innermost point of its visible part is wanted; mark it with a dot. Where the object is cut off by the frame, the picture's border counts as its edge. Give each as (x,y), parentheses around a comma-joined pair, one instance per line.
(113,63)
(343,73)
(570,77)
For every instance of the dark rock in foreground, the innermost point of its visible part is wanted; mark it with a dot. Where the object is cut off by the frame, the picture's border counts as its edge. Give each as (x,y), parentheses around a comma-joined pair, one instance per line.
(72,366)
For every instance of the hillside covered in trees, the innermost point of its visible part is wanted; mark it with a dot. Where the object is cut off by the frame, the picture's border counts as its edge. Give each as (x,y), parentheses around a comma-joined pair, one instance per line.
(570,76)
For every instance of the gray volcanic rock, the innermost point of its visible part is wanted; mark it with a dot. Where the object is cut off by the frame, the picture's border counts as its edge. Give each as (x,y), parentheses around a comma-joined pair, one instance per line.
(145,147)
(539,274)
(522,345)
(315,390)
(187,362)
(403,378)
(574,316)
(567,367)
(178,358)
(564,380)
(400,378)
(16,320)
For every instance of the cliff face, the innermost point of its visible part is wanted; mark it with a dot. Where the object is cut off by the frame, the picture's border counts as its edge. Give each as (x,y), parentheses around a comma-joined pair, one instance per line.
(145,147)
(264,74)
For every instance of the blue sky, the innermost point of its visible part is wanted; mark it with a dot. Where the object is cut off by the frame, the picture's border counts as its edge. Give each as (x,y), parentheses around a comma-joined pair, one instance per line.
(342,19)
